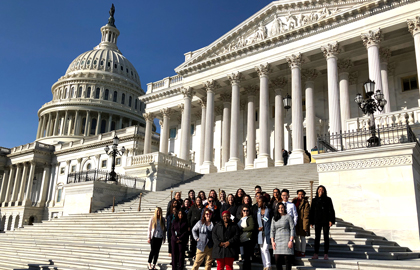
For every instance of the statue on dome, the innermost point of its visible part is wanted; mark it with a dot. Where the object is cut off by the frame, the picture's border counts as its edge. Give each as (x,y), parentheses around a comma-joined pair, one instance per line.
(111,20)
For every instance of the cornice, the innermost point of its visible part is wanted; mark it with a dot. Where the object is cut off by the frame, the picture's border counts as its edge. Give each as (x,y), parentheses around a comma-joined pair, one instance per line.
(161,94)
(360,10)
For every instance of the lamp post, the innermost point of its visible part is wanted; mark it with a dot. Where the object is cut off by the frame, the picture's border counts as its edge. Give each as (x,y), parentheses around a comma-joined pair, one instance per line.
(287,102)
(369,106)
(113,153)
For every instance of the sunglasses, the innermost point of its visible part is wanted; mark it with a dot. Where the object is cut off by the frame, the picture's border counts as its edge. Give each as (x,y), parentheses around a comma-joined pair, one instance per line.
(208,214)
(245,210)
(210,201)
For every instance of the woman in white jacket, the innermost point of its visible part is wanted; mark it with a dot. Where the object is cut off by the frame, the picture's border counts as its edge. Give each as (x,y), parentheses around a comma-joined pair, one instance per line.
(156,236)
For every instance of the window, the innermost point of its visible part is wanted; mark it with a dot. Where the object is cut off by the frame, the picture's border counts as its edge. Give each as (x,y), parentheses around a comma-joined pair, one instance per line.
(83,125)
(89,166)
(88,62)
(72,92)
(109,64)
(122,68)
(192,129)
(102,62)
(115,65)
(117,161)
(127,70)
(123,98)
(103,126)
(115,96)
(135,104)
(129,101)
(93,126)
(409,83)
(256,116)
(73,168)
(79,93)
(59,194)
(103,164)
(172,133)
(62,170)
(97,93)
(112,125)
(106,94)
(95,62)
(88,92)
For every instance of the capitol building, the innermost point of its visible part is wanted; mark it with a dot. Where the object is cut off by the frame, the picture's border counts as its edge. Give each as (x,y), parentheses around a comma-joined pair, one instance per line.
(281,79)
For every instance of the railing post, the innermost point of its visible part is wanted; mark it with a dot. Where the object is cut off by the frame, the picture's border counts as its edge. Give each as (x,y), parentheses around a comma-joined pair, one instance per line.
(312,189)
(141,194)
(90,208)
(113,204)
(341,139)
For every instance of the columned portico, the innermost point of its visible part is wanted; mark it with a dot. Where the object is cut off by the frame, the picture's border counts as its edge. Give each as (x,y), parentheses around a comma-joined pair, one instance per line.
(164,134)
(4,184)
(414,28)
(186,124)
(264,160)
(309,76)
(28,192)
(226,125)
(330,52)
(251,91)
(208,165)
(16,183)
(278,84)
(148,132)
(298,155)
(24,177)
(234,163)
(9,185)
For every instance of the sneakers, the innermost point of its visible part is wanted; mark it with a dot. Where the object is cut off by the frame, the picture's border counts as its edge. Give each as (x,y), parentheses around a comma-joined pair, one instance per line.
(326,257)
(302,254)
(315,257)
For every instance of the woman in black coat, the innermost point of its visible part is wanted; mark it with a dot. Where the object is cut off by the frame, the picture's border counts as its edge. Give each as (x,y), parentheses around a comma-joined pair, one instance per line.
(322,215)
(177,198)
(179,240)
(231,207)
(226,242)
(194,215)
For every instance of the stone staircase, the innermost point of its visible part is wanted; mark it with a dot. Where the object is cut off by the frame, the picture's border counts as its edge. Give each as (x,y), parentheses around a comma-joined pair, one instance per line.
(111,241)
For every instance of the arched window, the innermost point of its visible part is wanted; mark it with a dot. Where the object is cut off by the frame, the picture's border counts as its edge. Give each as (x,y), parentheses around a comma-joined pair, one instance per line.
(106,94)
(93,126)
(97,93)
(60,193)
(89,166)
(103,126)
(115,96)
(123,98)
(135,104)
(129,101)
(79,93)
(88,92)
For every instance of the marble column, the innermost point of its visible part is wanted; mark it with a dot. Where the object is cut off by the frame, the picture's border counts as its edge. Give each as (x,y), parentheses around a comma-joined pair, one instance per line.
(251,91)
(309,76)
(24,178)
(47,130)
(109,122)
(226,99)
(76,124)
(9,185)
(44,186)
(385,54)
(235,163)
(16,183)
(38,133)
(264,160)
(55,131)
(186,124)
(298,155)
(52,187)
(69,126)
(343,78)
(120,123)
(202,102)
(148,132)
(28,191)
(87,124)
(44,126)
(208,165)
(4,184)
(278,84)
(63,124)
(98,124)
(330,52)
(371,41)
(414,28)
(164,134)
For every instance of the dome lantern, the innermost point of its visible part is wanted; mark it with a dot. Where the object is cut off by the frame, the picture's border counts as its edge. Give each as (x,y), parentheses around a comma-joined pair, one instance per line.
(109,33)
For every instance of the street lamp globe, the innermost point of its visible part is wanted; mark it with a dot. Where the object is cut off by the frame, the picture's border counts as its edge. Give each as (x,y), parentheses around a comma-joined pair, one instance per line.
(122,150)
(116,140)
(106,149)
(287,102)
(358,99)
(378,95)
(369,86)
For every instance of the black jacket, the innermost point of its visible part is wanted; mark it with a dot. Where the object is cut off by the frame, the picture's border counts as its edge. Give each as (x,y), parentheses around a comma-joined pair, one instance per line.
(194,215)
(168,208)
(222,234)
(239,211)
(232,209)
(322,211)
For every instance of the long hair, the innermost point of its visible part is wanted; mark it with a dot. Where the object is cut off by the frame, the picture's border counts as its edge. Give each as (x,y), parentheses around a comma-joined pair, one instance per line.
(236,195)
(203,218)
(214,195)
(323,195)
(183,216)
(173,206)
(227,199)
(155,217)
(278,194)
(202,193)
(222,192)
(277,215)
(249,198)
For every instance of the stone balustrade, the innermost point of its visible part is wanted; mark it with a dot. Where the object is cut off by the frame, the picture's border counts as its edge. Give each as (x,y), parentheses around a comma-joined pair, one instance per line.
(386,119)
(165,83)
(31,146)
(161,158)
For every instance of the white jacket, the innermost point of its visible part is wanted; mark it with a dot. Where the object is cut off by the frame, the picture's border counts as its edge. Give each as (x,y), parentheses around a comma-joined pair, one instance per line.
(291,211)
(151,231)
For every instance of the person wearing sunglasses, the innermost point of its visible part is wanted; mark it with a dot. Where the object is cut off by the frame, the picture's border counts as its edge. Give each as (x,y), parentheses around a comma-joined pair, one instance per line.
(246,225)
(202,233)
(211,204)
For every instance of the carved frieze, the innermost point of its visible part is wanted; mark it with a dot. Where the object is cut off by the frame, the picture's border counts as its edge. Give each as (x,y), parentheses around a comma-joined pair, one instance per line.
(225,97)
(391,68)
(353,77)
(366,163)
(372,38)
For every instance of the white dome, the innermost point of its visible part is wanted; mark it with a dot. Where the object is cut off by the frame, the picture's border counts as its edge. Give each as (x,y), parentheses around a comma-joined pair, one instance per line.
(104,60)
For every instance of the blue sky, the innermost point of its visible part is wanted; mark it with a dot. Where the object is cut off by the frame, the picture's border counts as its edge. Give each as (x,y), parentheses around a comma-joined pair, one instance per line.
(39,39)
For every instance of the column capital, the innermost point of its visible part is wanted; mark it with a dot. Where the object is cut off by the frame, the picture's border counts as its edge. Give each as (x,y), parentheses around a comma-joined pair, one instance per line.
(188,92)
(251,90)
(68,162)
(295,60)
(148,116)
(263,69)
(32,162)
(161,123)
(166,112)
(344,65)
(181,107)
(202,102)
(385,54)
(211,85)
(309,75)
(372,38)
(391,68)
(353,77)
(218,110)
(234,77)
(331,50)
(278,83)
(414,25)
(79,160)
(226,97)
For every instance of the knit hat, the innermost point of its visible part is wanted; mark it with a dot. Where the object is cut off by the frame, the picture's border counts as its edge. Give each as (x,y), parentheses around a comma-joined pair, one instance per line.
(226,212)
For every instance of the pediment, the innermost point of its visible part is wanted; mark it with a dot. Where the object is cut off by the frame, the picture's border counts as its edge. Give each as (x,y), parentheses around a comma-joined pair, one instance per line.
(277,21)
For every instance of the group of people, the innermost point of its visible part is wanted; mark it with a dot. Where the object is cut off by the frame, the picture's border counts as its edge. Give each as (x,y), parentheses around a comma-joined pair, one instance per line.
(220,227)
